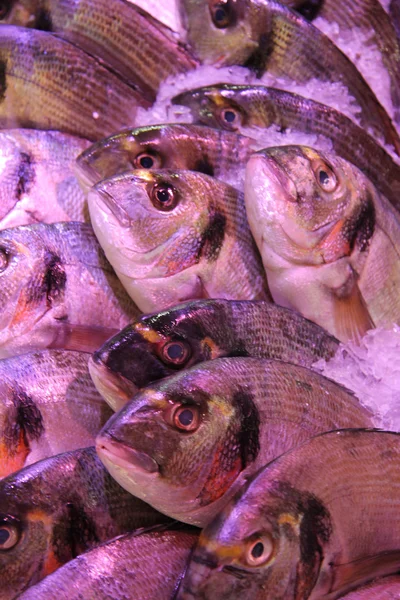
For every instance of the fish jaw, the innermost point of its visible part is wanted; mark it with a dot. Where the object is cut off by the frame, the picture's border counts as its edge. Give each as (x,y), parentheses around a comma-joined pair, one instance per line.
(113,387)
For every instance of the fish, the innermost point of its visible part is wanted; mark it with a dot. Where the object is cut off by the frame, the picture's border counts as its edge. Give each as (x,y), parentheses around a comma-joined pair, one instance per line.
(394,12)
(317,522)
(386,588)
(160,344)
(56,509)
(58,291)
(37,183)
(266,36)
(48,405)
(176,235)
(172,146)
(120,569)
(239,107)
(143,51)
(187,443)
(48,83)
(328,239)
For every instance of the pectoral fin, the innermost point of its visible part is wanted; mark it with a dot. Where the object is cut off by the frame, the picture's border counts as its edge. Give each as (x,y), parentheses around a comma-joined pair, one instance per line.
(352,318)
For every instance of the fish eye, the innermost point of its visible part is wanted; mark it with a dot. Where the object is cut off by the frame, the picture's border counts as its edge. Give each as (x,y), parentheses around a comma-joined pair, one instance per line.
(4,259)
(164,196)
(221,13)
(9,533)
(186,417)
(144,160)
(326,178)
(175,352)
(259,551)
(5,6)
(229,118)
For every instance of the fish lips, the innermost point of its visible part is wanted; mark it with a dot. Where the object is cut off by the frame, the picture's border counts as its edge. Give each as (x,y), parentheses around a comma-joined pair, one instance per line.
(113,387)
(112,451)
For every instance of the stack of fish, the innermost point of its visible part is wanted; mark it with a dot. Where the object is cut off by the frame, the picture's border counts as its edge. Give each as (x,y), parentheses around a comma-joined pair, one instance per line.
(193,451)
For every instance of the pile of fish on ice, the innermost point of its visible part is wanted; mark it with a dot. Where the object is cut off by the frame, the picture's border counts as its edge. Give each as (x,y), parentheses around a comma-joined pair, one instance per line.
(199,218)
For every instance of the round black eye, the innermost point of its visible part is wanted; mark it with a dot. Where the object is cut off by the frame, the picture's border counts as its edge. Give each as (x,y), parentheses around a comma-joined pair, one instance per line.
(147,161)
(323,177)
(326,178)
(221,13)
(259,551)
(187,418)
(164,196)
(4,257)
(229,116)
(229,119)
(176,353)
(9,534)
(5,7)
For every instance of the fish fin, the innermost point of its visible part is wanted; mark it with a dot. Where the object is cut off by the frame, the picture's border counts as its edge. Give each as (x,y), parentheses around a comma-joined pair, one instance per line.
(359,572)
(352,318)
(83,338)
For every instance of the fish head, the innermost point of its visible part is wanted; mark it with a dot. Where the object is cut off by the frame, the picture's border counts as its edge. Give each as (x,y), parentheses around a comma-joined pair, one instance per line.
(154,225)
(29,529)
(225,32)
(265,543)
(182,444)
(24,13)
(311,208)
(159,345)
(216,106)
(155,147)
(32,281)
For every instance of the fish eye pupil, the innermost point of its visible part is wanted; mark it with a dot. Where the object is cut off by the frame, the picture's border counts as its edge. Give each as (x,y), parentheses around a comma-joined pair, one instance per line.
(220,14)
(186,417)
(146,162)
(323,178)
(4,536)
(229,116)
(175,351)
(163,195)
(257,550)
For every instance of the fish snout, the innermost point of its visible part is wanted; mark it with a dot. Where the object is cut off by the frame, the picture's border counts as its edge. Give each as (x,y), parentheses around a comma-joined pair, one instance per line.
(112,450)
(115,389)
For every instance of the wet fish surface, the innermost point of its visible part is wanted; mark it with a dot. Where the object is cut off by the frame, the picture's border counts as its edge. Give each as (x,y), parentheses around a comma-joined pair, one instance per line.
(48,83)
(37,182)
(238,107)
(141,49)
(267,36)
(172,146)
(148,566)
(328,239)
(387,588)
(317,522)
(48,405)
(58,290)
(56,509)
(187,443)
(176,235)
(158,345)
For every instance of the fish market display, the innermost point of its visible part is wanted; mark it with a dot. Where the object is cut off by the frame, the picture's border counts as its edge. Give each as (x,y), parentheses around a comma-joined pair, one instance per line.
(141,49)
(317,522)
(160,344)
(238,107)
(48,405)
(58,290)
(145,566)
(186,444)
(37,183)
(174,236)
(328,239)
(56,509)
(267,36)
(48,83)
(192,147)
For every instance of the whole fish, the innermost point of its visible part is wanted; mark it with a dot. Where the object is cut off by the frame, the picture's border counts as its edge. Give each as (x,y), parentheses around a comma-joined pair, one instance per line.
(267,36)
(56,509)
(193,147)
(176,235)
(160,344)
(316,523)
(237,107)
(48,405)
(48,83)
(58,290)
(385,588)
(37,183)
(126,38)
(121,568)
(329,240)
(186,444)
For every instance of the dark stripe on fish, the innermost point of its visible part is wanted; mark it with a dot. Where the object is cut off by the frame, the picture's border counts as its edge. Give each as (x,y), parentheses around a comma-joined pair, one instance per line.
(55,277)
(213,236)
(204,166)
(26,174)
(3,80)
(364,226)
(44,21)
(26,420)
(310,9)
(258,61)
(249,436)
(81,531)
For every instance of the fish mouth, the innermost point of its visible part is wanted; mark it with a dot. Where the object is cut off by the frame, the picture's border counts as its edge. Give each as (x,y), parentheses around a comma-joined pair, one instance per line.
(104,199)
(119,454)
(114,388)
